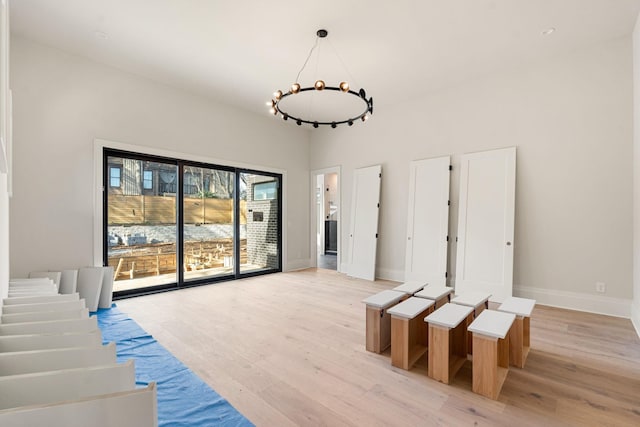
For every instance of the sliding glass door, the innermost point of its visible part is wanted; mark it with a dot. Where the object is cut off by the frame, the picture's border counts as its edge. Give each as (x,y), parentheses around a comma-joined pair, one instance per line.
(170,223)
(140,222)
(260,234)
(207,220)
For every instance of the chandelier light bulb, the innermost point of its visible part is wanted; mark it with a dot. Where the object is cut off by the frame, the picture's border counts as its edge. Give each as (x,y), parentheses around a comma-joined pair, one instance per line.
(319,85)
(344,86)
(273,111)
(277,94)
(365,117)
(295,88)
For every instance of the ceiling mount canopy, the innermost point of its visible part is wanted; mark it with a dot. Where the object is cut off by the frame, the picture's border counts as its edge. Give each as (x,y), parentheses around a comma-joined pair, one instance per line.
(321,104)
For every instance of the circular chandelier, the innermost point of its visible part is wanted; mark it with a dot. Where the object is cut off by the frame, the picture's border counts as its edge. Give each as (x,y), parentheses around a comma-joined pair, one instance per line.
(339,104)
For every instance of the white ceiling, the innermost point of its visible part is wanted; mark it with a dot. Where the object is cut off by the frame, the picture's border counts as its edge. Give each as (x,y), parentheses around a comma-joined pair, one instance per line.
(240,51)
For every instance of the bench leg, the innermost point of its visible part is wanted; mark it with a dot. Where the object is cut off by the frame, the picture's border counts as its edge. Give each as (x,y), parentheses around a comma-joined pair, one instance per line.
(400,343)
(378,330)
(490,365)
(438,366)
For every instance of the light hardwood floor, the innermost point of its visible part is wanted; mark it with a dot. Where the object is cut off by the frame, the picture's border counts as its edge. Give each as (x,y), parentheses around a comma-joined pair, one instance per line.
(289,350)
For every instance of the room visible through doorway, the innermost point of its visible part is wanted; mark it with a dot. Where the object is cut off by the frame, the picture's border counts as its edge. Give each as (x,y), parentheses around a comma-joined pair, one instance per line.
(327,214)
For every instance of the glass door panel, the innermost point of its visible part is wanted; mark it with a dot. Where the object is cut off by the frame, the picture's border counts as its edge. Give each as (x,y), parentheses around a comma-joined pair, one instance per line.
(259,222)
(208,227)
(141,222)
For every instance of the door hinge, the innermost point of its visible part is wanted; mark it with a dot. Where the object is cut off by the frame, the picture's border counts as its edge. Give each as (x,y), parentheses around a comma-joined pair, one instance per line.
(376,235)
(448,202)
(456,238)
(380,175)
(446,274)
(450,167)
(378,204)
(447,238)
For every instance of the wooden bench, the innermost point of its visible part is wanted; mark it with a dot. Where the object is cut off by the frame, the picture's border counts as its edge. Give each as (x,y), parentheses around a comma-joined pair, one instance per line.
(409,332)
(438,293)
(378,327)
(520,334)
(410,287)
(490,351)
(479,301)
(447,341)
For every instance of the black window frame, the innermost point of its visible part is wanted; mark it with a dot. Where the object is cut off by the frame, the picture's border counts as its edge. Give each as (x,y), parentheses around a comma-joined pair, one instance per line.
(181,163)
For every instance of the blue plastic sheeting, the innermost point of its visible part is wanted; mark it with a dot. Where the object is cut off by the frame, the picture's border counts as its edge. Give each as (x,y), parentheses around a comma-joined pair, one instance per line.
(183,398)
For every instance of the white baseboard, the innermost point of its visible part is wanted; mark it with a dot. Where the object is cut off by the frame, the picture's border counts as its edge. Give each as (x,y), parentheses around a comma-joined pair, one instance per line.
(389,274)
(344,267)
(297,264)
(618,307)
(635,315)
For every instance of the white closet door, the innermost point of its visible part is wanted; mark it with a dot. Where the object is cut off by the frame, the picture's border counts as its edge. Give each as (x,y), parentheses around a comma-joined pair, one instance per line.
(484,260)
(363,238)
(428,221)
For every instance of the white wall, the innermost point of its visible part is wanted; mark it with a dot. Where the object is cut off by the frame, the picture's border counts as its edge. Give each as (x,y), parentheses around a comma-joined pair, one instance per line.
(63,102)
(571,120)
(5,151)
(4,238)
(635,310)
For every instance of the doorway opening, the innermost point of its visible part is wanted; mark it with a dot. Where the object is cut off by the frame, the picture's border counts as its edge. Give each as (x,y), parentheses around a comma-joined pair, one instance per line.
(327,224)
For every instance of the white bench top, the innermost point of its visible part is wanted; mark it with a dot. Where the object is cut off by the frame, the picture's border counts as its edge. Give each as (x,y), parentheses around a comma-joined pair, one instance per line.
(434,292)
(449,315)
(410,287)
(472,298)
(518,306)
(384,299)
(410,308)
(495,324)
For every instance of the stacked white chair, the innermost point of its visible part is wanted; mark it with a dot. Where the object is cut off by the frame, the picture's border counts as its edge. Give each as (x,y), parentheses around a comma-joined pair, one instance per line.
(68,281)
(54,369)
(53,275)
(32,287)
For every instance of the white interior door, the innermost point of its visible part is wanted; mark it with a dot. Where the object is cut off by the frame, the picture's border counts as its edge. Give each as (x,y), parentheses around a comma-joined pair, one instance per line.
(428,221)
(484,258)
(363,238)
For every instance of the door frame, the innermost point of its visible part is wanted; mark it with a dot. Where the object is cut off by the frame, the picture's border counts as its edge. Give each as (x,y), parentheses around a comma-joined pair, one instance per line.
(99,243)
(313,211)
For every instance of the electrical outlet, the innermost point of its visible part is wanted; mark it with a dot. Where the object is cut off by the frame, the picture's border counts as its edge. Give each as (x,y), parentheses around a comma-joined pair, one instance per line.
(601,287)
